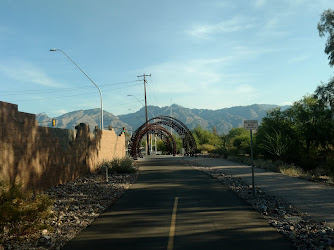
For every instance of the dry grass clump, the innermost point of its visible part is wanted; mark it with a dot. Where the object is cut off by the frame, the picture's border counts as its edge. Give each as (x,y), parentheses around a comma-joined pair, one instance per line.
(277,166)
(21,212)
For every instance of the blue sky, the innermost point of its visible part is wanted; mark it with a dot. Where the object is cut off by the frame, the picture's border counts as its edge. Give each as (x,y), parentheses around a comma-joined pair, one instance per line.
(201,54)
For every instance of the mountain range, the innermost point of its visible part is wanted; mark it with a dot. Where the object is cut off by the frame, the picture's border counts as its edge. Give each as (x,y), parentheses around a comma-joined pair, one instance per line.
(222,119)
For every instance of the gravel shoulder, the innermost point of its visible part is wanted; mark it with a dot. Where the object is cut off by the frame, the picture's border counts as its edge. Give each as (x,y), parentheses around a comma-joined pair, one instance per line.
(77,204)
(302,229)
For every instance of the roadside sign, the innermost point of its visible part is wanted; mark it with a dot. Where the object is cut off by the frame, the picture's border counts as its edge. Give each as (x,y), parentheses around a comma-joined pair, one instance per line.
(251,124)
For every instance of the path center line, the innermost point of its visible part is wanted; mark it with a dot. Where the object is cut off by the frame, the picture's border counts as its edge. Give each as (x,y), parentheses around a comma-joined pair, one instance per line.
(172,226)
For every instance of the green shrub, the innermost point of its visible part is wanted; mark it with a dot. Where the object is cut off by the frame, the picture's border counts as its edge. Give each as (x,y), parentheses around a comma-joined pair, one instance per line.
(277,166)
(21,212)
(266,164)
(205,148)
(121,166)
(241,159)
(220,151)
(329,167)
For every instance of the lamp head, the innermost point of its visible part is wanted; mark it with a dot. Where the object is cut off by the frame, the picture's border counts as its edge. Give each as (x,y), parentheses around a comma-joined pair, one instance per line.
(53,49)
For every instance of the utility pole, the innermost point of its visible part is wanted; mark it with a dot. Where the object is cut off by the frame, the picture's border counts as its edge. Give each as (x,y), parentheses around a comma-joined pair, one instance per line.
(147,136)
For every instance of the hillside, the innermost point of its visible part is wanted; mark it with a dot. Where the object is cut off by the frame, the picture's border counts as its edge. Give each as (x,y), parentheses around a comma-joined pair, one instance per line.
(222,119)
(90,117)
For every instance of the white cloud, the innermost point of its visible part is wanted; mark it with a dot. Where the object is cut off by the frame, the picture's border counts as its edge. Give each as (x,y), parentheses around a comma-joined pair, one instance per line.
(245,89)
(219,97)
(187,77)
(26,72)
(237,23)
(199,74)
(260,3)
(296,3)
(61,111)
(286,103)
(298,59)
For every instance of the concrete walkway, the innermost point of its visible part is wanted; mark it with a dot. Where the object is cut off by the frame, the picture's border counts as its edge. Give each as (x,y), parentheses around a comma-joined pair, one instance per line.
(317,200)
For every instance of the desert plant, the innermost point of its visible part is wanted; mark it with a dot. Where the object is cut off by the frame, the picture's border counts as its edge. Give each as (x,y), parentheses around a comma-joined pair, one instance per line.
(266,164)
(294,171)
(277,166)
(206,148)
(121,166)
(21,212)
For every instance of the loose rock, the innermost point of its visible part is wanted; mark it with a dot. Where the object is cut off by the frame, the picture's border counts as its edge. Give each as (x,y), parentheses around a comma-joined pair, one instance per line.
(77,204)
(295,225)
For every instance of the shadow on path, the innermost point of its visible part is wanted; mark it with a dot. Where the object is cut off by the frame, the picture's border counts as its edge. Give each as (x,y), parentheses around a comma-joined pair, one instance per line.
(313,198)
(208,214)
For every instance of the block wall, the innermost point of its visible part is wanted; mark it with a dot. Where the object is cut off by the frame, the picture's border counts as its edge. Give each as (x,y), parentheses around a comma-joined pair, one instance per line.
(40,157)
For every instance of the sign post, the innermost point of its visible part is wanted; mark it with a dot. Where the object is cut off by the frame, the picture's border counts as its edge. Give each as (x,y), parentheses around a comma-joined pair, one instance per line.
(251,125)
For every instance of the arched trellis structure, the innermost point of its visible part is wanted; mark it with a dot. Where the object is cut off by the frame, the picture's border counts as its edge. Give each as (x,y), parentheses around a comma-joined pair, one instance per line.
(159,126)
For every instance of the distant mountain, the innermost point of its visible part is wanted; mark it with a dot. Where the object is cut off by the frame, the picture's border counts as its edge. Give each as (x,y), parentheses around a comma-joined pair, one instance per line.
(90,117)
(222,119)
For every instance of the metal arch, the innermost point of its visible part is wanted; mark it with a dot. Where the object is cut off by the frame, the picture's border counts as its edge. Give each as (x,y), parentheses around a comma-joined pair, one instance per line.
(188,140)
(171,144)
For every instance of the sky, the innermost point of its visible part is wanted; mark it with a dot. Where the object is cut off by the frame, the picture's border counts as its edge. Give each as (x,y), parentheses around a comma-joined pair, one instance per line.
(209,54)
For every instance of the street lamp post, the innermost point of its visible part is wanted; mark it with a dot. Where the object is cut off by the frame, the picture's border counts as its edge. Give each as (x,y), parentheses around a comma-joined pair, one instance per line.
(101,122)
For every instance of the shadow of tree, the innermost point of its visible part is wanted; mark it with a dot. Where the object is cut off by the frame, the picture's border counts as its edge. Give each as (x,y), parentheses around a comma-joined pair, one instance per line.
(41,157)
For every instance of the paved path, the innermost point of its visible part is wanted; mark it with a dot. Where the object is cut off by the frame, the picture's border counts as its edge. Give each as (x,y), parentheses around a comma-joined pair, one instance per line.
(313,198)
(176,207)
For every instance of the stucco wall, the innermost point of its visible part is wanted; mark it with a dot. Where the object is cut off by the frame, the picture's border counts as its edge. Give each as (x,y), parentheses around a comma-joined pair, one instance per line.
(40,157)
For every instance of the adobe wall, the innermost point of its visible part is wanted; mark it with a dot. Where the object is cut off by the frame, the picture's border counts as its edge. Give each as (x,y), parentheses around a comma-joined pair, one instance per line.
(40,157)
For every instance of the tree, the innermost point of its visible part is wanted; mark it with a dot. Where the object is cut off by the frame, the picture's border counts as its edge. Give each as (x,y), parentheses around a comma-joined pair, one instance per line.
(238,141)
(325,93)
(326,26)
(312,122)
(214,131)
(272,138)
(312,129)
(275,144)
(205,137)
(301,134)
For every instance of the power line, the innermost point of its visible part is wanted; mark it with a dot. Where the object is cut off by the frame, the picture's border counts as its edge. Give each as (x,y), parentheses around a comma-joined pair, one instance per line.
(120,104)
(25,92)
(154,95)
(60,97)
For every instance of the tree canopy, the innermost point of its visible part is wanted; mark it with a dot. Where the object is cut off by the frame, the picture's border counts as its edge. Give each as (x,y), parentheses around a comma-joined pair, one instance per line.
(325,93)
(326,27)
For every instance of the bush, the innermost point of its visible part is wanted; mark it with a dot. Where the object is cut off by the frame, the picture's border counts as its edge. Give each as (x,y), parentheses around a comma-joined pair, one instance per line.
(220,151)
(121,166)
(205,148)
(21,212)
(294,171)
(241,159)
(266,164)
(329,167)
(277,166)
